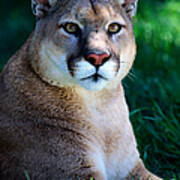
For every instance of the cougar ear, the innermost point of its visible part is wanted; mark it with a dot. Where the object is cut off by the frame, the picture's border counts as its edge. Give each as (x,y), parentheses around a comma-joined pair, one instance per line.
(130,7)
(41,7)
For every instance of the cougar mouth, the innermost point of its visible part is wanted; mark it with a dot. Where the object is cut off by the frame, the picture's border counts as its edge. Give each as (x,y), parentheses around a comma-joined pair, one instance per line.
(95,77)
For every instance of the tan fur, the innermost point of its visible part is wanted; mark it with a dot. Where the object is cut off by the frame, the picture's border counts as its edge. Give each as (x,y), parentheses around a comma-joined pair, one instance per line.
(53,128)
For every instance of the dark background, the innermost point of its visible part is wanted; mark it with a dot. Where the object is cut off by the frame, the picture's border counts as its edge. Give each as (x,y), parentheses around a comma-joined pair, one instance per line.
(153,85)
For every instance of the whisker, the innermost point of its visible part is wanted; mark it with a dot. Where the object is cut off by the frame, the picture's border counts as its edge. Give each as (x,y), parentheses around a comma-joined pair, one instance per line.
(131,75)
(122,62)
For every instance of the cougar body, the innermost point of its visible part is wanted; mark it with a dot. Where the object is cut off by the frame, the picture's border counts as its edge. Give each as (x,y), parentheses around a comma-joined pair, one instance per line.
(63,115)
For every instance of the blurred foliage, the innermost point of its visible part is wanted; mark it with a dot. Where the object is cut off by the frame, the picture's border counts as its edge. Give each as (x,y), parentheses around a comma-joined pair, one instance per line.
(16,24)
(153,86)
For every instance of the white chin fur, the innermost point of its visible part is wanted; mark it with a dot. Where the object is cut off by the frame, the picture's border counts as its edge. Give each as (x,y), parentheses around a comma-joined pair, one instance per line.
(92,85)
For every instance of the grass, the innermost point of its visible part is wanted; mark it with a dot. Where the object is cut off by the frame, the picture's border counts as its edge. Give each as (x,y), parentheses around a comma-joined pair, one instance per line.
(158,138)
(153,95)
(27,175)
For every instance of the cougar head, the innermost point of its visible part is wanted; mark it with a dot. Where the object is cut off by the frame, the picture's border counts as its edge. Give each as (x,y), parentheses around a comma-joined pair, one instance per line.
(85,43)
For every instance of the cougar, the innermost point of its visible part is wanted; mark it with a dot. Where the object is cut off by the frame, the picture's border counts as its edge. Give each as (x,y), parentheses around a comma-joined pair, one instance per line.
(63,114)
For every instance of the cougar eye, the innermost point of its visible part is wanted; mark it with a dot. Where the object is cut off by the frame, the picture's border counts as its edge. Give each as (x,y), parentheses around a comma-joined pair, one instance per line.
(114,28)
(72,28)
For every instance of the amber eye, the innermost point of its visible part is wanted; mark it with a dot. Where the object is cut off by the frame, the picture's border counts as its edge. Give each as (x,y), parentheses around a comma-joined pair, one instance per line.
(114,28)
(72,28)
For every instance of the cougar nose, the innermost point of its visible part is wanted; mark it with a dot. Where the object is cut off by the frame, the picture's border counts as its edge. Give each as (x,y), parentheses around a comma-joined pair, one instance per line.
(97,59)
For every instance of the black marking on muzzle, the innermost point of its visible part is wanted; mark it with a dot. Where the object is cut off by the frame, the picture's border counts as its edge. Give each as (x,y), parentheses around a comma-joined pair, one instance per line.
(71,65)
(72,61)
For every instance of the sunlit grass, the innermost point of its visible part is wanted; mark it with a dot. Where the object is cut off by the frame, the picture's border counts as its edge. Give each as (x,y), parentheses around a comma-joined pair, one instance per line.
(27,175)
(158,139)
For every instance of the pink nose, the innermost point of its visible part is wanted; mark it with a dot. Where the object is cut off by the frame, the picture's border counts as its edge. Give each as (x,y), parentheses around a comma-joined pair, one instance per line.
(98,59)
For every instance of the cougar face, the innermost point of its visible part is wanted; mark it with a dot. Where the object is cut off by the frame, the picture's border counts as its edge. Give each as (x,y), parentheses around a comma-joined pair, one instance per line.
(86,44)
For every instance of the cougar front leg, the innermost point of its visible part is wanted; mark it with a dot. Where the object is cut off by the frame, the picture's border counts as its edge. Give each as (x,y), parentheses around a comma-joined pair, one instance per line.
(141,173)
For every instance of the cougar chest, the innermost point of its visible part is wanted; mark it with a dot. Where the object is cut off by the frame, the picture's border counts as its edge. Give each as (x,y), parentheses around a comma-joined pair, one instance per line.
(116,149)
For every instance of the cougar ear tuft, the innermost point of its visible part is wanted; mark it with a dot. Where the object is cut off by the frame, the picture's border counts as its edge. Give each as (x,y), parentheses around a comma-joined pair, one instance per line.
(41,8)
(130,7)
